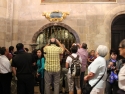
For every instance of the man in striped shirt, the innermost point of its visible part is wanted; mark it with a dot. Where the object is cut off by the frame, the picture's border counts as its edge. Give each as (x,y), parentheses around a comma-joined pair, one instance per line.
(52,64)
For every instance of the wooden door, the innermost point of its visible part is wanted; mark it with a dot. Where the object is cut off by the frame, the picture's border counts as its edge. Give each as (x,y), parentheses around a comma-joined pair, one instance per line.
(116,37)
(118,31)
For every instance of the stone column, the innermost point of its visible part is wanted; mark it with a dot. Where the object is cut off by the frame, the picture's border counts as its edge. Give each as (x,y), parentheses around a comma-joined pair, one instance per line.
(9,32)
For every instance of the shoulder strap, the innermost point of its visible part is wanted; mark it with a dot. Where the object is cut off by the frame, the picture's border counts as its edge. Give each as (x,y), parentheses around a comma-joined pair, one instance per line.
(99,79)
(72,57)
(77,57)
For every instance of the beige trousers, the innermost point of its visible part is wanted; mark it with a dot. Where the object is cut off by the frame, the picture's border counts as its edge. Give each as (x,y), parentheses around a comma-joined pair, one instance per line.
(97,91)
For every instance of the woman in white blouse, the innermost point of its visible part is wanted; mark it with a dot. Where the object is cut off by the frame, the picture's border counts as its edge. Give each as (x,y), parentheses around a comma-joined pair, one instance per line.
(121,80)
(96,69)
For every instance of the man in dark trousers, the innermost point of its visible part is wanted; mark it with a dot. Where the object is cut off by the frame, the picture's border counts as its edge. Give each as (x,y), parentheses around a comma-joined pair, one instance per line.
(5,72)
(22,67)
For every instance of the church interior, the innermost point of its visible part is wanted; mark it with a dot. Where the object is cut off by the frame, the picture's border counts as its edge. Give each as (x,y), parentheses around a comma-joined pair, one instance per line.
(94,23)
(34,22)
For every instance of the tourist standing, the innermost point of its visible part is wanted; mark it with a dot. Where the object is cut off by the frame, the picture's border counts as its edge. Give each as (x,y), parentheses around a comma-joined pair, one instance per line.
(22,67)
(5,72)
(52,65)
(40,70)
(82,52)
(96,70)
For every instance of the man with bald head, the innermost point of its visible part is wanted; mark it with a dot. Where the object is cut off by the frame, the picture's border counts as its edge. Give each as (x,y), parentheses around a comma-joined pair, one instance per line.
(52,64)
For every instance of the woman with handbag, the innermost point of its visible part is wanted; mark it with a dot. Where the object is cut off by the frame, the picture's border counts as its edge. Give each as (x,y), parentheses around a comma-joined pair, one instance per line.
(40,70)
(97,72)
(121,75)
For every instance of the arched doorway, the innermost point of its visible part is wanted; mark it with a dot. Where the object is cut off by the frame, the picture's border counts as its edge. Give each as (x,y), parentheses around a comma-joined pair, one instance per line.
(62,32)
(117,31)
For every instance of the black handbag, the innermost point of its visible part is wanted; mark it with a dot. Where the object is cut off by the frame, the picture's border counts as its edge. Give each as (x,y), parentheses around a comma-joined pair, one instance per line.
(87,88)
(120,91)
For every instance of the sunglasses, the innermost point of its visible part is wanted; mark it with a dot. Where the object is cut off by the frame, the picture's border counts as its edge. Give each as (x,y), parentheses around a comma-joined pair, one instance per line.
(121,47)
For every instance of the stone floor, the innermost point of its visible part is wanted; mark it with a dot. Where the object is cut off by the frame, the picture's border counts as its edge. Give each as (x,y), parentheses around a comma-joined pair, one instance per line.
(36,90)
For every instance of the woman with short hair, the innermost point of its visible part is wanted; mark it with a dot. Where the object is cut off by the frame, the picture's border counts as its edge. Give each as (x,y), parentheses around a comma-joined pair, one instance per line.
(96,70)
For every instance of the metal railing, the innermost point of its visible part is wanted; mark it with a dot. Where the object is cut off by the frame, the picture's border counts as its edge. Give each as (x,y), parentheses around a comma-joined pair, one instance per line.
(61,33)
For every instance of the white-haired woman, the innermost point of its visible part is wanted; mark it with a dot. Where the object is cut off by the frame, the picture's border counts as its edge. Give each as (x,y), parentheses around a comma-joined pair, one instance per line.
(96,69)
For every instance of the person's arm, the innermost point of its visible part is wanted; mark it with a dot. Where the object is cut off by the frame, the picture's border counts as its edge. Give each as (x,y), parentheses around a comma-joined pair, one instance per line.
(38,69)
(89,76)
(93,70)
(14,70)
(60,45)
(67,51)
(88,59)
(42,65)
(108,66)
(13,67)
(118,65)
(79,46)
(67,65)
(67,62)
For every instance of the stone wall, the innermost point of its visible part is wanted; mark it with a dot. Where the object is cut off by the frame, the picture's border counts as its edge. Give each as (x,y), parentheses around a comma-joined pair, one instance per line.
(91,21)
(44,1)
(3,22)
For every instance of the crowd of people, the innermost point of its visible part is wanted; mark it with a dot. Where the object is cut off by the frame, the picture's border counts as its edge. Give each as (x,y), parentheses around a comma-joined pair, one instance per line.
(52,62)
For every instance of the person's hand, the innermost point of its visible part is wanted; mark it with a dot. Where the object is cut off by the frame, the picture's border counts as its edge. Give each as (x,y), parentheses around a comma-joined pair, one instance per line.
(115,71)
(86,78)
(37,75)
(34,63)
(109,66)
(113,68)
(111,63)
(79,45)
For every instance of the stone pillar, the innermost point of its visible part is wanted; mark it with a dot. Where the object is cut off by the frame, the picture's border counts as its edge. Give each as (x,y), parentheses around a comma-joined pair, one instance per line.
(9,32)
(3,9)
(33,46)
(15,29)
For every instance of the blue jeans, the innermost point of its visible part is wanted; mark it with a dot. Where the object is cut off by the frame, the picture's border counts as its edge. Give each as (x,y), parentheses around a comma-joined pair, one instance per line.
(41,85)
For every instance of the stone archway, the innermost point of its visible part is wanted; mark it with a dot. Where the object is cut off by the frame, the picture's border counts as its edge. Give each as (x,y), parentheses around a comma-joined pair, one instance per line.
(111,15)
(59,24)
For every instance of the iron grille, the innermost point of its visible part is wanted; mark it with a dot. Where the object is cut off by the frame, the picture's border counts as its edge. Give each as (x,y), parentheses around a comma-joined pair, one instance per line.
(59,32)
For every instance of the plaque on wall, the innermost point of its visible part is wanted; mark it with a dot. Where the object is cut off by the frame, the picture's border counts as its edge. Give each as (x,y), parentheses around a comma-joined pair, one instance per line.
(79,1)
(55,16)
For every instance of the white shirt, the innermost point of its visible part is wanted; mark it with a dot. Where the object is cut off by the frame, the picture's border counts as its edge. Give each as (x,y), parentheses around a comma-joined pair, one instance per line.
(98,67)
(5,65)
(69,60)
(121,80)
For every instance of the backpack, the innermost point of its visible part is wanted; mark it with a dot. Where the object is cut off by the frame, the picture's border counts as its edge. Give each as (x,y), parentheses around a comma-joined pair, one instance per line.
(75,66)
